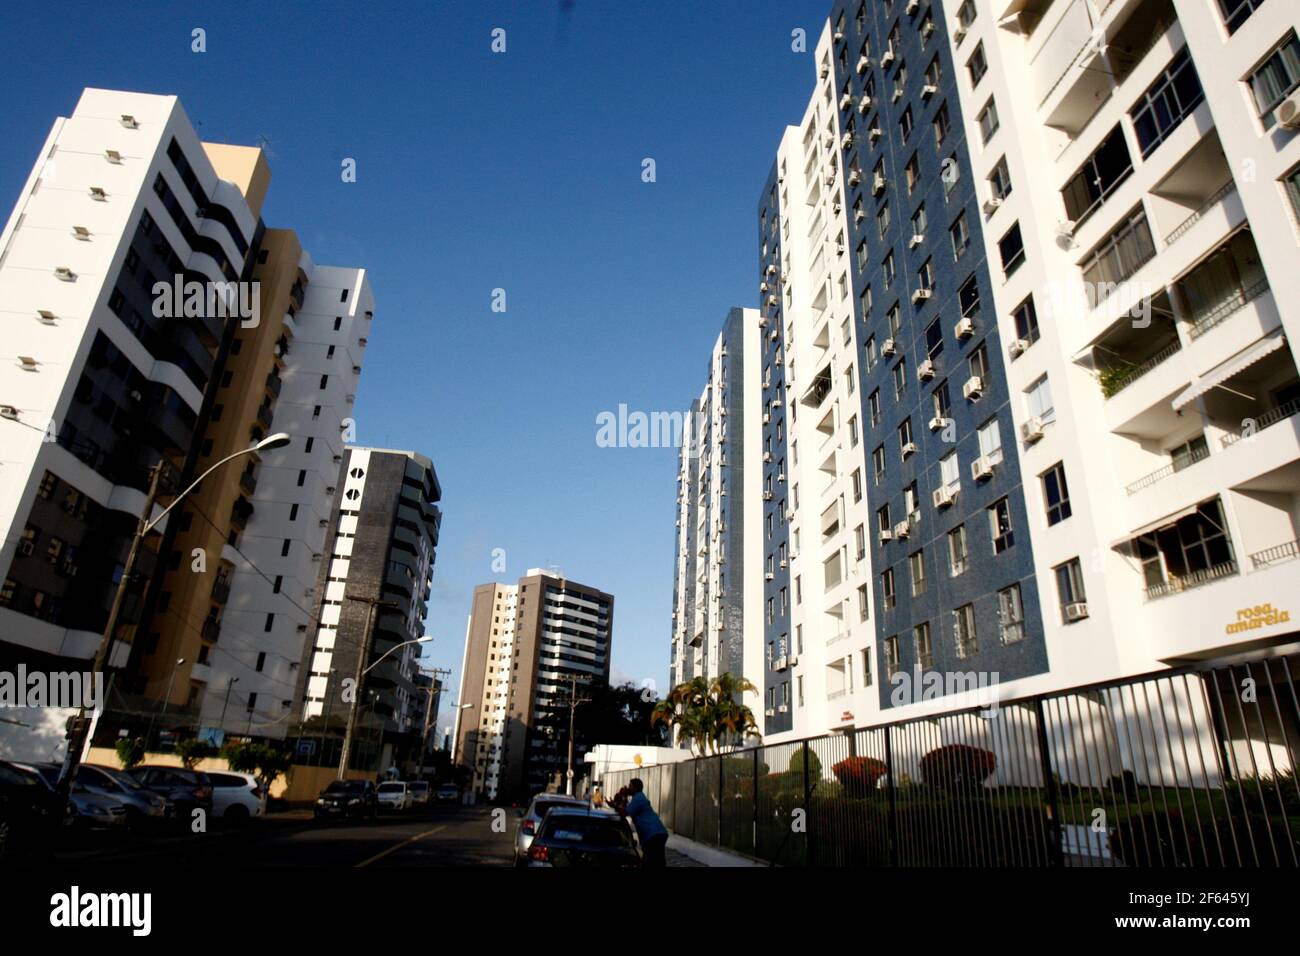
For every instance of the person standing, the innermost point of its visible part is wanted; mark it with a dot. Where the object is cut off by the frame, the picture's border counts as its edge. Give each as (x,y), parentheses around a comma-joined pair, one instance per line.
(650,830)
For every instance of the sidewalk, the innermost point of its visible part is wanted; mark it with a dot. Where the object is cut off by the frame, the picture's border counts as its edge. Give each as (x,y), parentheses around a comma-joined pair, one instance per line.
(680,851)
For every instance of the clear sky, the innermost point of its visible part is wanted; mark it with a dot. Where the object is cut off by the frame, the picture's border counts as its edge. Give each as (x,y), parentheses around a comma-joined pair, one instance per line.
(479,171)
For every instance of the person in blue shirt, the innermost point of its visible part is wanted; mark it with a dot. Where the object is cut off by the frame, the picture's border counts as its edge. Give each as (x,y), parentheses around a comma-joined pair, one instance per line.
(649,828)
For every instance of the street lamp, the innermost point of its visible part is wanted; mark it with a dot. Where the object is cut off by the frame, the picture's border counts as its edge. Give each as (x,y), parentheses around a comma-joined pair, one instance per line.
(362,653)
(81,725)
(166,699)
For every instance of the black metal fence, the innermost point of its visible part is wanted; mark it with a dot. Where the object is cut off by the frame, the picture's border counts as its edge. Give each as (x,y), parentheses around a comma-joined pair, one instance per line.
(1189,767)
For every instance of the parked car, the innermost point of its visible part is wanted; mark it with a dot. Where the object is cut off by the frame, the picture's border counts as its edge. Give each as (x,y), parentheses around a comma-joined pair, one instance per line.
(394,795)
(347,799)
(532,817)
(447,793)
(143,806)
(93,811)
(31,815)
(419,793)
(237,797)
(584,837)
(184,790)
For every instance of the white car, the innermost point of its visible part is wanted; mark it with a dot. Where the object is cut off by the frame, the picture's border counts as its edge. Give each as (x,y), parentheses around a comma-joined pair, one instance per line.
(236,797)
(395,795)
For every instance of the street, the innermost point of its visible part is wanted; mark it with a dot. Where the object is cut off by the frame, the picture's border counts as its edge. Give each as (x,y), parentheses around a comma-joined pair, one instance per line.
(444,836)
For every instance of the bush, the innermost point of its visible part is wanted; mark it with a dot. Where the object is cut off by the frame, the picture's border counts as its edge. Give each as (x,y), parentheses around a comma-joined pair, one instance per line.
(191,750)
(859,775)
(814,764)
(130,751)
(957,766)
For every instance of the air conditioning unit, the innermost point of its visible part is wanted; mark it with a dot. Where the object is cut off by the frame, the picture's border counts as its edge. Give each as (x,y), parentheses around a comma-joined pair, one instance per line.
(877,184)
(859,215)
(909,448)
(943,496)
(773,301)
(846,101)
(767,418)
(774,334)
(780,476)
(886,59)
(1288,111)
(771,268)
(9,412)
(1017,348)
(888,347)
(762,321)
(925,371)
(770,712)
(782,708)
(936,423)
(837,36)
(1032,429)
(846,141)
(81,232)
(921,295)
(928,90)
(1076,611)
(767,496)
(912,7)
(835,205)
(113,156)
(830,177)
(902,530)
(776,403)
(98,194)
(1065,229)
(767,456)
(780,664)
(927,31)
(964,329)
(789,516)
(769,575)
(762,287)
(886,535)
(981,468)
(898,94)
(855,177)
(45,316)
(992,205)
(916,240)
(864,104)
(973,388)
(863,63)
(129,121)
(25,547)
(64,274)
(784,563)
(958,30)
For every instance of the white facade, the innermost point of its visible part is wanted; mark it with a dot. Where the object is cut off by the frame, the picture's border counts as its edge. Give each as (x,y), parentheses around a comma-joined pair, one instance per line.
(61,254)
(287,509)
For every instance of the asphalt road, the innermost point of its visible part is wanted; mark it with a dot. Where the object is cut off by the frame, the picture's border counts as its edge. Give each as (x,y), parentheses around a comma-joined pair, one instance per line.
(440,836)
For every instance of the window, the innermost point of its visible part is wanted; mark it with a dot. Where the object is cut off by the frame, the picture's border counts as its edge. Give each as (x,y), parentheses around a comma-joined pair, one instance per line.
(1000,180)
(878,460)
(963,626)
(887,268)
(871,353)
(957,554)
(882,518)
(916,562)
(882,219)
(862,255)
(1069,586)
(950,173)
(1276,79)
(853,431)
(1011,249)
(934,72)
(1236,12)
(894,319)
(864,605)
(934,339)
(1056,494)
(912,173)
(950,471)
(905,124)
(866,667)
(919,221)
(900,380)
(1291,183)
(990,441)
(940,402)
(874,403)
(968,298)
(1038,401)
(1119,255)
(1000,526)
(988,120)
(1026,320)
(893,663)
(905,438)
(1098,177)
(864,301)
(924,651)
(1166,103)
(1011,614)
(860,541)
(925,276)
(960,234)
(887,587)
(857,484)
(978,65)
(941,125)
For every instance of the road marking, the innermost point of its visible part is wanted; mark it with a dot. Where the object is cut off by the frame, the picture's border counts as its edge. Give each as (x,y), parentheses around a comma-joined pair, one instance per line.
(394,849)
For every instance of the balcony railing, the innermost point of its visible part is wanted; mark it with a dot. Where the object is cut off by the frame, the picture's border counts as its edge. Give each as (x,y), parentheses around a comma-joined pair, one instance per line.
(835,694)
(1270,417)
(1194,580)
(1179,230)
(1115,381)
(220,591)
(1215,316)
(1196,454)
(1279,554)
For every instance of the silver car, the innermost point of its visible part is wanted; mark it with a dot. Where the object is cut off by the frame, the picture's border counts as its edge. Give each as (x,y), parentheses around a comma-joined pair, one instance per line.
(531,819)
(142,806)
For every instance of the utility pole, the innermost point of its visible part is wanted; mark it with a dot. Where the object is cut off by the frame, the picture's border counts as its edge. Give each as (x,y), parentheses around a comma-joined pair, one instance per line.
(574,701)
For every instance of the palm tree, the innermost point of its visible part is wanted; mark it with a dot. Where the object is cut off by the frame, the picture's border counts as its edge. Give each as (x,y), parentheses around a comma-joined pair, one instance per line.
(701,713)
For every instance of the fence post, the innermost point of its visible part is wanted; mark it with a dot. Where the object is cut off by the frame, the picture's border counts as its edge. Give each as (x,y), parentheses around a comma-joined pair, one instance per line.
(695,797)
(1055,855)
(893,806)
(721,796)
(807,810)
(754,807)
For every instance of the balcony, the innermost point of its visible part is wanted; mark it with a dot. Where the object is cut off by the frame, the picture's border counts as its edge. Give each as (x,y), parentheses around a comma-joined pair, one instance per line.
(1180,583)
(273,384)
(211,628)
(240,513)
(1125,353)
(1278,413)
(221,591)
(1195,452)
(264,416)
(248,482)
(1275,555)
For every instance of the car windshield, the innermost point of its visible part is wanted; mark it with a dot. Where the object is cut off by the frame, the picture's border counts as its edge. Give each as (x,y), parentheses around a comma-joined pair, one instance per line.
(346,786)
(392,787)
(119,778)
(588,831)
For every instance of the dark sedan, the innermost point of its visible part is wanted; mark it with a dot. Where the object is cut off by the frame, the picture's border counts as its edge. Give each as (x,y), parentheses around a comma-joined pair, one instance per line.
(580,837)
(31,814)
(348,799)
(184,790)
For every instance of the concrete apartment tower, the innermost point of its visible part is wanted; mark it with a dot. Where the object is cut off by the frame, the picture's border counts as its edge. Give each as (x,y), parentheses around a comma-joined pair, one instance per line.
(525,646)
(717,625)
(381,542)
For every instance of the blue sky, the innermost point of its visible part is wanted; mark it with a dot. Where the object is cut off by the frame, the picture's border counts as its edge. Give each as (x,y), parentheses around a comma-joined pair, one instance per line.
(478,171)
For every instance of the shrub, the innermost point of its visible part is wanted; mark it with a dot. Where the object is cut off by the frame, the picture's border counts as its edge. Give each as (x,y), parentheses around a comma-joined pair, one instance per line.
(191,750)
(859,775)
(130,751)
(814,764)
(957,766)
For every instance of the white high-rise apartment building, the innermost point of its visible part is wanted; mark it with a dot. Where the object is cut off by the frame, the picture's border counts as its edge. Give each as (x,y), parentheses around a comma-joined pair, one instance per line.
(1141,197)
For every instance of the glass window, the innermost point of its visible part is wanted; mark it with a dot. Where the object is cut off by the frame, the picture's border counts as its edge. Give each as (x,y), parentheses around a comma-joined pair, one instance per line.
(1056,494)
(1000,180)
(957,553)
(1011,614)
(924,652)
(963,625)
(1276,79)
(1011,249)
(950,470)
(977,65)
(1098,177)
(892,662)
(1236,12)
(1026,320)
(1000,526)
(988,121)
(990,440)
(1166,103)
(960,234)
(916,562)
(1069,585)
(1038,401)
(887,587)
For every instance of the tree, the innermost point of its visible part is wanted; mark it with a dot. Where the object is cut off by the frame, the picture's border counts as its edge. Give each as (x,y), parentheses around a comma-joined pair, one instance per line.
(617,714)
(191,750)
(268,763)
(705,714)
(130,751)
